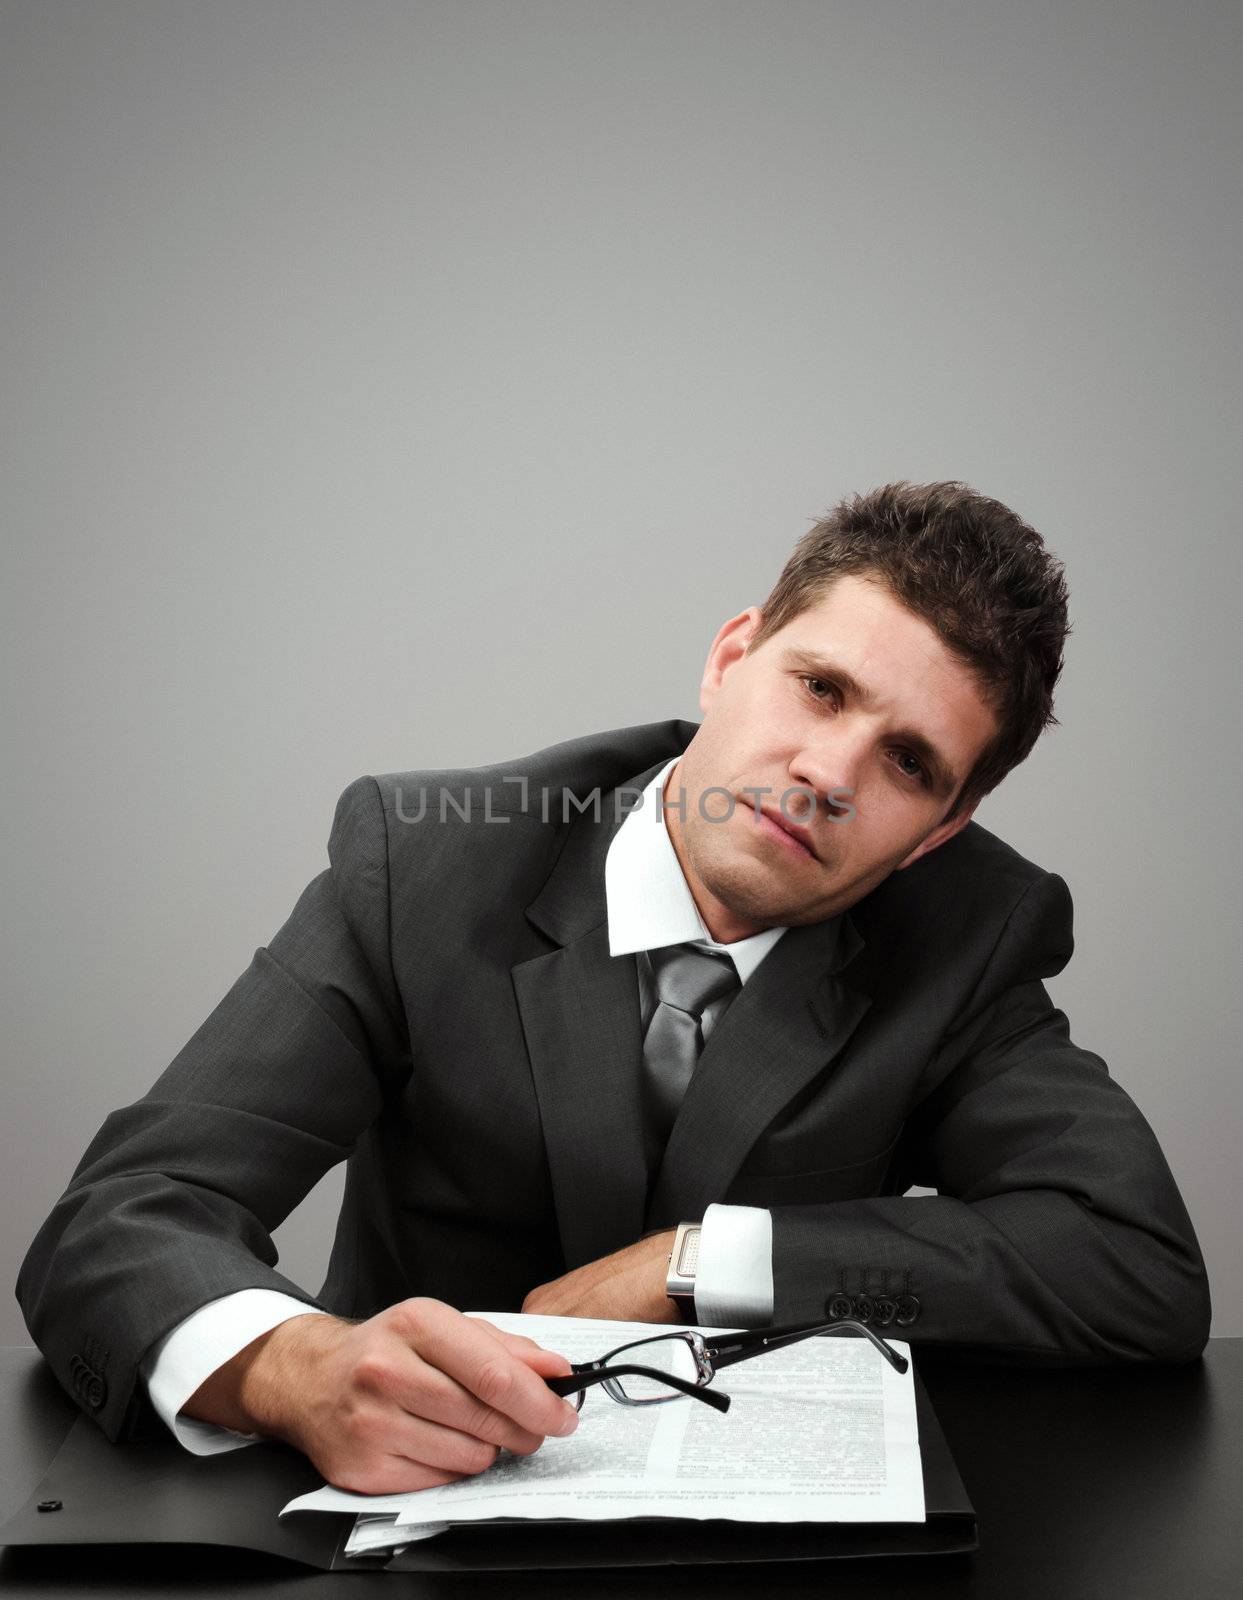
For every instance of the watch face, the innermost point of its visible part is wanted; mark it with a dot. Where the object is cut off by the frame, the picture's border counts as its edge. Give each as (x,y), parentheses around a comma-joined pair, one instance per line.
(686,1253)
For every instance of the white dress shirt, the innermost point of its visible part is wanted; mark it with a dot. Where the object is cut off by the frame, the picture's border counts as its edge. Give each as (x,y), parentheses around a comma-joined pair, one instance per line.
(649,905)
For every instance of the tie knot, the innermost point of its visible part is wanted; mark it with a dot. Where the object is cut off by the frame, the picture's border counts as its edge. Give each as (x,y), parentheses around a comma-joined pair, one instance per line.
(690,979)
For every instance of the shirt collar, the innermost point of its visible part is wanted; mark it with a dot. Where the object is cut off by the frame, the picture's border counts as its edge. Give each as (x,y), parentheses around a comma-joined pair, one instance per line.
(649,903)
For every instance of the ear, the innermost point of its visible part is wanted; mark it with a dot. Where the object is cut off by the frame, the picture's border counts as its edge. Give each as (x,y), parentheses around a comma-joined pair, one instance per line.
(939,835)
(729,647)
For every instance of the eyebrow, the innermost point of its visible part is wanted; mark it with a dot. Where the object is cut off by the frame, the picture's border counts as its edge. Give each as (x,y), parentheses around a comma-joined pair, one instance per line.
(944,777)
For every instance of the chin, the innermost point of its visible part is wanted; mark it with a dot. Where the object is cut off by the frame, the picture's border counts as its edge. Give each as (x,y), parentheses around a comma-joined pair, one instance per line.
(756,899)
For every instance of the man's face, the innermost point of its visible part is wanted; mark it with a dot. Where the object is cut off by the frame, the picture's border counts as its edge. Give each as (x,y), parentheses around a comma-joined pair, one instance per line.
(786,718)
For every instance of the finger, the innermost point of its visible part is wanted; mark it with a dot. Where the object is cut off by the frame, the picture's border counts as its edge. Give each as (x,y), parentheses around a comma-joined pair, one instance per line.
(445,1401)
(489,1370)
(442,1448)
(548,1363)
(505,1337)
(419,1390)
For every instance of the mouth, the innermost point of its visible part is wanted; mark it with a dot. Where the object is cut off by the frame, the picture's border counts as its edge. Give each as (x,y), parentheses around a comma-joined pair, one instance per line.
(782,831)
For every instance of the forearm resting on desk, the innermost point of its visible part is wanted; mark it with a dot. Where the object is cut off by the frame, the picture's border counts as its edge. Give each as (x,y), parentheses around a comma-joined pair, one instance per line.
(734,1289)
(415,1396)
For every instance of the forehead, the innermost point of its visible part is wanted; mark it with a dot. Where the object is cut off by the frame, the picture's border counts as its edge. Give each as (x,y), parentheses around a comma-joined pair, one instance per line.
(899,662)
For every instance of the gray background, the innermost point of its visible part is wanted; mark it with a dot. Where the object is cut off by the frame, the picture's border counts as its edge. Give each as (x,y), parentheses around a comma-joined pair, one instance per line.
(395,385)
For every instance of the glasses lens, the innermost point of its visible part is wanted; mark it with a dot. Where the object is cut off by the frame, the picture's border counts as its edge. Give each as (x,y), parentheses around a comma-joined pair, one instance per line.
(673,1356)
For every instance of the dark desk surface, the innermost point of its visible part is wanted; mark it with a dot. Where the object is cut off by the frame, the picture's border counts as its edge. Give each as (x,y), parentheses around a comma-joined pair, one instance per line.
(1122,1485)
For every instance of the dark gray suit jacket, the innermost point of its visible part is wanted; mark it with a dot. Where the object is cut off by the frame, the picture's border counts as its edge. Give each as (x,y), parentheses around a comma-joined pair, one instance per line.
(441,1011)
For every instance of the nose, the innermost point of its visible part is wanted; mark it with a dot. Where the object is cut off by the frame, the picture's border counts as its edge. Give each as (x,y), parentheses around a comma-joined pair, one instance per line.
(821,769)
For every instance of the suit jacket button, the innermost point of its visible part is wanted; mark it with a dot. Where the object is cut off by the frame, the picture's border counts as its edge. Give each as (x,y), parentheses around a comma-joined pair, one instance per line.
(865,1307)
(95,1392)
(908,1310)
(886,1310)
(840,1307)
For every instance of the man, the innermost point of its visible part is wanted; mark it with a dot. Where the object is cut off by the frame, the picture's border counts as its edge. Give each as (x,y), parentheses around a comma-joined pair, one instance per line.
(764,974)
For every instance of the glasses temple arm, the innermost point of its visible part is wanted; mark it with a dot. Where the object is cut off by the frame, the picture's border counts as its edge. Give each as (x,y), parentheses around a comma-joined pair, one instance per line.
(585,1378)
(758,1343)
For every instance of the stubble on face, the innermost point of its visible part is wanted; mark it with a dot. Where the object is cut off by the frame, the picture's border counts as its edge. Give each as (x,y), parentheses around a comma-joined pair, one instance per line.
(750,882)
(742,881)
(757,731)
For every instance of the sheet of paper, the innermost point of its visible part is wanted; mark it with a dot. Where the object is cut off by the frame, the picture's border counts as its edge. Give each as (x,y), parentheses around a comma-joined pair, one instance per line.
(371,1533)
(824,1431)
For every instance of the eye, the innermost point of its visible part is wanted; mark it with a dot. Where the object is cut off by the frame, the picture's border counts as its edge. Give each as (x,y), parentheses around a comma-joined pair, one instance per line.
(919,773)
(828,687)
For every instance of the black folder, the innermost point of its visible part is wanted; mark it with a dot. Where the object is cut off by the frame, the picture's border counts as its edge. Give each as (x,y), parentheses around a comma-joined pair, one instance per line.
(157,1493)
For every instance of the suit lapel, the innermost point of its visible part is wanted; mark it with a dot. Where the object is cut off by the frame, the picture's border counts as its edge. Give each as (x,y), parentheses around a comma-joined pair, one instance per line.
(580,1016)
(580,1012)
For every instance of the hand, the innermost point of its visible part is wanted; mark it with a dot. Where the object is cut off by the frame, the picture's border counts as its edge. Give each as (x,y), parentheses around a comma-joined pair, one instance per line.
(417,1396)
(628,1286)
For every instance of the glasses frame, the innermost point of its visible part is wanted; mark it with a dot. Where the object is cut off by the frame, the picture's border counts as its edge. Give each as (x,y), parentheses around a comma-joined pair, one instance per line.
(710,1355)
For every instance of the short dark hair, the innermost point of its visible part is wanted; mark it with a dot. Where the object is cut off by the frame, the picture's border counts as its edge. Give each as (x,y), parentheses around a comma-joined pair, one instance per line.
(975,572)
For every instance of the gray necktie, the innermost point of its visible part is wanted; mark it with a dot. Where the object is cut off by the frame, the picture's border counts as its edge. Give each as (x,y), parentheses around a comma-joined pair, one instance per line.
(687,982)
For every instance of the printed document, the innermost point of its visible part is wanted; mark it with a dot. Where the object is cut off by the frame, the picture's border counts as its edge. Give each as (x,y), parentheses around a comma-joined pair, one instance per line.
(822,1431)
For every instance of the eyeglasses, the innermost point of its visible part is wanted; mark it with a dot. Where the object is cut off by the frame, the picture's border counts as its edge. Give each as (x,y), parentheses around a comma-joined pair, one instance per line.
(669,1365)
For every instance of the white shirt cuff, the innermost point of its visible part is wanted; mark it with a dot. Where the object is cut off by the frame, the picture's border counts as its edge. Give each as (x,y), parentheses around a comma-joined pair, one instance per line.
(734,1280)
(188,1355)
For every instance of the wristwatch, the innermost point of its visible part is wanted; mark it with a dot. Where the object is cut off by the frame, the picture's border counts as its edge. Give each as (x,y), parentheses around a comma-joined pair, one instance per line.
(683,1264)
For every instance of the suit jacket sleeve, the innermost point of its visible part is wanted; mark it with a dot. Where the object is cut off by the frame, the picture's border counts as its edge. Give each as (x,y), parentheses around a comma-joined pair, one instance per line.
(1058,1235)
(175,1200)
